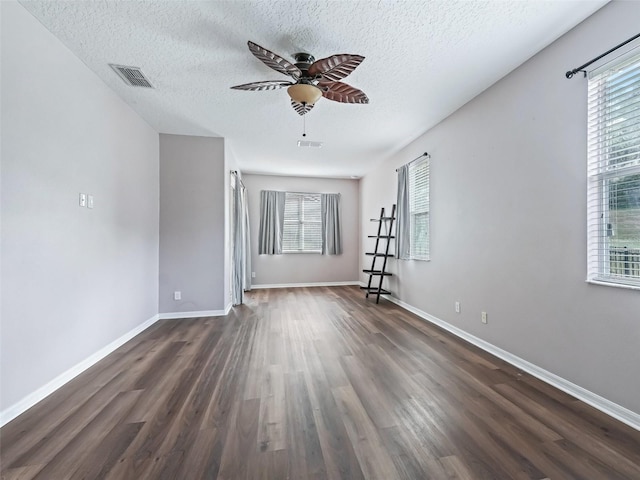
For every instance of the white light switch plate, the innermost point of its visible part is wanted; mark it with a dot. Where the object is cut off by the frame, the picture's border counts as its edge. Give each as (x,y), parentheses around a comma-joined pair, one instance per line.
(89,201)
(82,199)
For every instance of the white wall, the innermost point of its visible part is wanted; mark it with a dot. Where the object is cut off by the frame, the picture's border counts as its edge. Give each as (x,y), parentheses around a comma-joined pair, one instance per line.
(305,267)
(193,215)
(73,279)
(508,222)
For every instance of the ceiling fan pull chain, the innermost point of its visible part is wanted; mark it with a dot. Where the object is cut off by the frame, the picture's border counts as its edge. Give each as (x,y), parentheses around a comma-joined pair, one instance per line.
(304,121)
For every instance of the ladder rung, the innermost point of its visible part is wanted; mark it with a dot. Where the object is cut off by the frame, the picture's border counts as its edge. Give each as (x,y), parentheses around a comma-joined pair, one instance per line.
(382,218)
(380,254)
(375,290)
(381,236)
(377,272)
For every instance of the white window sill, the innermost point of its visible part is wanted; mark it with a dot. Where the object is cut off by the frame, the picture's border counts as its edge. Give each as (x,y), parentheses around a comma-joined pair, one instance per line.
(612,284)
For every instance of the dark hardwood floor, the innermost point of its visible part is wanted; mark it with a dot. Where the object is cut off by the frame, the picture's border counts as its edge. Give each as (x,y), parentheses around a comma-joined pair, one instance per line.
(311,383)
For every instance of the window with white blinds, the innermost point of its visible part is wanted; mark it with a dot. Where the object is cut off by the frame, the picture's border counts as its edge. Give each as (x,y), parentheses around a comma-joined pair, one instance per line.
(419,209)
(302,230)
(614,174)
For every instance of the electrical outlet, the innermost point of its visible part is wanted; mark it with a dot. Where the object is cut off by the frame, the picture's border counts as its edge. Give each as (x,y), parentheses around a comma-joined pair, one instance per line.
(253,274)
(177,295)
(457,307)
(89,201)
(484,317)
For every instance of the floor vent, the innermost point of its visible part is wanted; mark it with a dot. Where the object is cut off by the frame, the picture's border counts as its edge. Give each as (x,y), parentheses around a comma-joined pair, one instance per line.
(132,76)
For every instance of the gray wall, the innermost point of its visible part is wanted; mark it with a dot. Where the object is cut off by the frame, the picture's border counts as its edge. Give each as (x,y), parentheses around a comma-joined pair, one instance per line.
(508,223)
(73,279)
(193,214)
(305,267)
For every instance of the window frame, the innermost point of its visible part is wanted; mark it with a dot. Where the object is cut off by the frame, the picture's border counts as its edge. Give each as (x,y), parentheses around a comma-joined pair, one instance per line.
(607,136)
(300,223)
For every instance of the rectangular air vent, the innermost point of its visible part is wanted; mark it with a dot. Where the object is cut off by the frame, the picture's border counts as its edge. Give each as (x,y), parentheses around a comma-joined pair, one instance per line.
(308,143)
(132,76)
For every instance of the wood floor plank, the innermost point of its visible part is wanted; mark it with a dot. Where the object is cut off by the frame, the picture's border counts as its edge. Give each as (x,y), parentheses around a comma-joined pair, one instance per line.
(373,398)
(374,458)
(65,462)
(21,473)
(99,462)
(42,448)
(240,446)
(456,469)
(63,405)
(411,458)
(616,460)
(273,416)
(303,444)
(337,451)
(311,383)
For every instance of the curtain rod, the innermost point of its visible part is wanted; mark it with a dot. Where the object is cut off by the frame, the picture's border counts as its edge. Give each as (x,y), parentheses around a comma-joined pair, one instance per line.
(425,154)
(235,172)
(581,68)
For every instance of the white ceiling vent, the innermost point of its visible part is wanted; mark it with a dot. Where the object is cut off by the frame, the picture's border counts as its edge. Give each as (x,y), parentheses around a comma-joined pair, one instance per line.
(308,143)
(132,76)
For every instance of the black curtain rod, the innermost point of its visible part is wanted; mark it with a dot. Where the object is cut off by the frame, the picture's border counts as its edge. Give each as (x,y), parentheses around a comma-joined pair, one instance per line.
(581,68)
(425,154)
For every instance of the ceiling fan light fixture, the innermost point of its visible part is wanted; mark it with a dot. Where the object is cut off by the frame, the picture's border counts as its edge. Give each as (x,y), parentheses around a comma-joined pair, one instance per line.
(304,93)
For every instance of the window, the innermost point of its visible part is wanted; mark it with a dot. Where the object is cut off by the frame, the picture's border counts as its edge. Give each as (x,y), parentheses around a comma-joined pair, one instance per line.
(302,231)
(614,174)
(419,209)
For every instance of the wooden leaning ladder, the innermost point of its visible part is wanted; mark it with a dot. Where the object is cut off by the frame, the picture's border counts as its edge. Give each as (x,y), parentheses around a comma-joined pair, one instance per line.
(386,237)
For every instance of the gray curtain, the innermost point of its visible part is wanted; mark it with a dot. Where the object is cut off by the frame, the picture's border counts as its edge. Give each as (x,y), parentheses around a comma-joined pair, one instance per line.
(271,222)
(241,279)
(403,231)
(331,233)
(246,242)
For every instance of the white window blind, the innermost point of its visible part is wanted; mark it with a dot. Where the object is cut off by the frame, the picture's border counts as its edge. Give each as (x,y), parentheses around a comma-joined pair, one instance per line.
(614,174)
(419,209)
(302,223)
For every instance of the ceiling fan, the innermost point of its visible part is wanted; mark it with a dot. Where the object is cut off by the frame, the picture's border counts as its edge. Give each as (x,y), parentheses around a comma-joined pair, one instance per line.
(311,78)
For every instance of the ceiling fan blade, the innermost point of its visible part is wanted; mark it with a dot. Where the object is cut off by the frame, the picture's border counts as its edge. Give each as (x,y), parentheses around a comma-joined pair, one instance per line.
(336,67)
(342,92)
(265,85)
(300,108)
(274,61)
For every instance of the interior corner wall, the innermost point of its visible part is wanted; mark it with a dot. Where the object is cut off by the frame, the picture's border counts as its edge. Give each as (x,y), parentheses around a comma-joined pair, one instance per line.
(509,223)
(304,268)
(73,279)
(193,210)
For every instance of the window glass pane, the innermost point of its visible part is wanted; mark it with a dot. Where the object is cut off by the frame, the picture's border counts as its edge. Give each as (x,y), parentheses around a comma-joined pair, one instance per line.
(614,174)
(420,235)
(419,209)
(302,223)
(292,232)
(623,228)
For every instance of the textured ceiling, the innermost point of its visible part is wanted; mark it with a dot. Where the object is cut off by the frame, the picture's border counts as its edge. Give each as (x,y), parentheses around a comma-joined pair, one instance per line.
(424,59)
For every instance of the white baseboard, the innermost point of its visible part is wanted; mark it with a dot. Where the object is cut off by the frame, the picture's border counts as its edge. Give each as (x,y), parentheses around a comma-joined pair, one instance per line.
(606,406)
(202,313)
(30,400)
(296,285)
